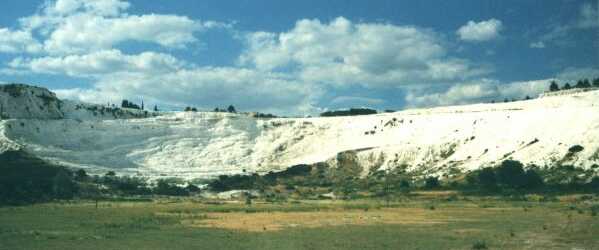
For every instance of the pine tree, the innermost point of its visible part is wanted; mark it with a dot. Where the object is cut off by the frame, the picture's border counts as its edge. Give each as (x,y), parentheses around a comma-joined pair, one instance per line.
(567,86)
(231,109)
(596,82)
(553,86)
(155,108)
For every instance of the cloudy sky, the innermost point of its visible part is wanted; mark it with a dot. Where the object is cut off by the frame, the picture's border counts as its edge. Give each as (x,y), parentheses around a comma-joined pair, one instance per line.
(297,57)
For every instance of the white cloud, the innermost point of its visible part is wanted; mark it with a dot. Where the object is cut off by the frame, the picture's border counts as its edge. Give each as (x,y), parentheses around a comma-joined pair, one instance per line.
(574,74)
(537,45)
(356,101)
(370,54)
(84,33)
(483,90)
(589,16)
(18,42)
(82,26)
(560,34)
(100,63)
(481,31)
(205,87)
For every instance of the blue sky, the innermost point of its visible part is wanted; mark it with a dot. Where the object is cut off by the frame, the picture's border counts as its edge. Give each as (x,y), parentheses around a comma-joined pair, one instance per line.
(299,57)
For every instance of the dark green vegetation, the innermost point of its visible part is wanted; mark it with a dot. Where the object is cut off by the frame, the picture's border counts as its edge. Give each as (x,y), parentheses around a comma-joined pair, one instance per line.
(352,111)
(581,84)
(321,181)
(26,179)
(455,223)
(130,105)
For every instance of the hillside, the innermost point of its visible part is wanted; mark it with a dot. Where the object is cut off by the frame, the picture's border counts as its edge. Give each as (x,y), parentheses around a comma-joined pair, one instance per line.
(438,141)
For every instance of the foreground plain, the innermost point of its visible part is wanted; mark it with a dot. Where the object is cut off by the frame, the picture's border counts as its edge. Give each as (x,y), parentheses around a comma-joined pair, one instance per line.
(424,221)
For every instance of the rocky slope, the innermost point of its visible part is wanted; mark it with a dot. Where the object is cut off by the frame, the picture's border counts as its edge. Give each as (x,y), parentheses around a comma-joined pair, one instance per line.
(438,141)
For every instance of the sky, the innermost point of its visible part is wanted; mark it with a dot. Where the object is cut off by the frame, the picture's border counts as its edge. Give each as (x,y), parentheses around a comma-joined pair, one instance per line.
(298,57)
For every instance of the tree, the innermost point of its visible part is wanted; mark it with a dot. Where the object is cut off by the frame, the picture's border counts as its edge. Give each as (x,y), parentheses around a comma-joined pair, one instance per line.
(511,174)
(527,98)
(155,108)
(486,178)
(532,179)
(596,82)
(63,185)
(584,83)
(81,175)
(553,86)
(431,182)
(567,86)
(231,109)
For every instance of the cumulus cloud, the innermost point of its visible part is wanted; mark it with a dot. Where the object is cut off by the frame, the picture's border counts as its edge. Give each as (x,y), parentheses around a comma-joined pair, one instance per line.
(480,31)
(343,53)
(100,63)
(18,42)
(483,90)
(80,26)
(205,87)
(84,33)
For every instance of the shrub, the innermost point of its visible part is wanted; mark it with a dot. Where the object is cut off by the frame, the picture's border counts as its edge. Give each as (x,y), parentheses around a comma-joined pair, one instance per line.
(63,185)
(350,112)
(163,187)
(231,109)
(511,174)
(575,149)
(486,178)
(553,86)
(532,179)
(431,182)
(479,244)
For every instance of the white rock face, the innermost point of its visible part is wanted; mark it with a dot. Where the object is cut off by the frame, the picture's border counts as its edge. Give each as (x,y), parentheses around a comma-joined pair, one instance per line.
(21,101)
(206,144)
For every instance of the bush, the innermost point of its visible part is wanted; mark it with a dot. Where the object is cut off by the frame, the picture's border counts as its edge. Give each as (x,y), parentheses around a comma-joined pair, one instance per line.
(511,174)
(63,185)
(532,179)
(350,112)
(486,178)
(480,244)
(575,149)
(431,182)
(26,179)
(163,187)
(553,86)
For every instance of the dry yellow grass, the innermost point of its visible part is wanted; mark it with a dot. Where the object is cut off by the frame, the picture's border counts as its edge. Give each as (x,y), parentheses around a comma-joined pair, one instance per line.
(274,221)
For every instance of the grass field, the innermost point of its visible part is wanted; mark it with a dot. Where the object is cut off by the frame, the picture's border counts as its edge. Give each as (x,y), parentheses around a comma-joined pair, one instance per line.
(427,221)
